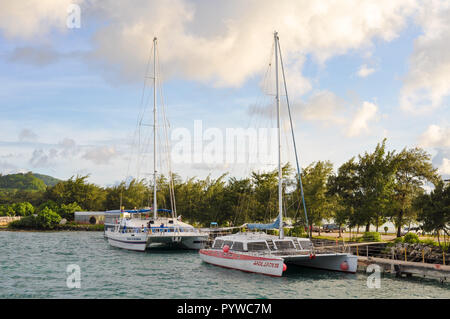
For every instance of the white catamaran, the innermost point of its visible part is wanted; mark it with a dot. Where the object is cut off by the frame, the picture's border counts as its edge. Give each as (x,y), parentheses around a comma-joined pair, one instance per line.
(268,254)
(136,230)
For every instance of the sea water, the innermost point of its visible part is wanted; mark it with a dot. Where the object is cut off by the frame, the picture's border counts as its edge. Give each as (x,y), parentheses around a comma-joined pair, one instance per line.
(43,265)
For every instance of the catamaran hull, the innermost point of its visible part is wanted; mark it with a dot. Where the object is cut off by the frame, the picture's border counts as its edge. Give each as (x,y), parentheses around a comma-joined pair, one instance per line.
(128,241)
(336,262)
(260,265)
(194,242)
(142,241)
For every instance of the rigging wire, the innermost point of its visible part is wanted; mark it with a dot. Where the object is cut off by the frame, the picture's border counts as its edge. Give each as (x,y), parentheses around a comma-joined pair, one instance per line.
(293,140)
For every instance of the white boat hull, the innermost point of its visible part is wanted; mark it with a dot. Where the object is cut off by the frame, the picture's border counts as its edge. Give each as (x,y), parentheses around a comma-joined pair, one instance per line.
(335,262)
(244,262)
(143,241)
(137,242)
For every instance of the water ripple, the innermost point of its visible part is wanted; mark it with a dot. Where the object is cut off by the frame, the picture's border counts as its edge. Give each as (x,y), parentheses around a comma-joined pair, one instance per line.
(33,265)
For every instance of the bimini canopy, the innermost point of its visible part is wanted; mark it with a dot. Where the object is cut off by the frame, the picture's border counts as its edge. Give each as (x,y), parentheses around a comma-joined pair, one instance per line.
(134,211)
(274,225)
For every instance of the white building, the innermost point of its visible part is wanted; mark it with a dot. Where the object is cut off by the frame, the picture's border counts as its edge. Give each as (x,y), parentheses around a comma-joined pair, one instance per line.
(90,217)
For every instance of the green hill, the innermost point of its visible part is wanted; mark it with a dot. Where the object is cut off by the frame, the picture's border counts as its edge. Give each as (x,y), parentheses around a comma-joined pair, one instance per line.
(48,180)
(27,181)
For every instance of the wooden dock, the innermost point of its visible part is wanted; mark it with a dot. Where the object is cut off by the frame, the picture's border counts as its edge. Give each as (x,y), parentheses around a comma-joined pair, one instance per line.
(406,268)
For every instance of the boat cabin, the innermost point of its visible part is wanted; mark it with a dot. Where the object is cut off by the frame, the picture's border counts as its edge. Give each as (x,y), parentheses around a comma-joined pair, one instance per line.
(243,244)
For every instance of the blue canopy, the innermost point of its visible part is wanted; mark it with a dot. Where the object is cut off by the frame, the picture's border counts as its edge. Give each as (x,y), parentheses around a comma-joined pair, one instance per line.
(274,225)
(134,211)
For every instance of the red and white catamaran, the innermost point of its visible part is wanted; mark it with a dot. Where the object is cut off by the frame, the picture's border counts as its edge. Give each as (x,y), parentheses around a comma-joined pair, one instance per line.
(268,254)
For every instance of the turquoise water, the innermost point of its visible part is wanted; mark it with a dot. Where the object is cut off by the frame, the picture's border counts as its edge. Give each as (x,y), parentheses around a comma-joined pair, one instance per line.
(33,265)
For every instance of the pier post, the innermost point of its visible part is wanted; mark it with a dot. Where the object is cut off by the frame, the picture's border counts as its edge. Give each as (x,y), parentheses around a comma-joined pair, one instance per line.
(423,255)
(357,251)
(405,255)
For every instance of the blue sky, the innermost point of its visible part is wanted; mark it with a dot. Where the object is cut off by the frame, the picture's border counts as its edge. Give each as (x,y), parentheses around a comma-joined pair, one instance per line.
(70,98)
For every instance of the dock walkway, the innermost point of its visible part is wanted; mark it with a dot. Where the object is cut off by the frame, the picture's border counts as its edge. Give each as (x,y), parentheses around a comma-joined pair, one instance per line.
(407,268)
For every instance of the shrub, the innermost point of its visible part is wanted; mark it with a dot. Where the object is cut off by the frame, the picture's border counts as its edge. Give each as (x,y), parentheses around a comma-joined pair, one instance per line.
(371,236)
(297,231)
(46,219)
(429,242)
(411,238)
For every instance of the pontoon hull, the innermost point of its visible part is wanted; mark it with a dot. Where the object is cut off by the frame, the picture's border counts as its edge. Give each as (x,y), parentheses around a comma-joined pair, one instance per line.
(336,262)
(181,241)
(248,263)
(137,242)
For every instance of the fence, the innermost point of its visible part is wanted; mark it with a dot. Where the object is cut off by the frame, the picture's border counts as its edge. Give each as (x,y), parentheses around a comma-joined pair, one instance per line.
(403,252)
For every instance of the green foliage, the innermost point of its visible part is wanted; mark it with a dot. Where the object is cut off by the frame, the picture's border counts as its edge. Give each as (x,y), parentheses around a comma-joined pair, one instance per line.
(297,231)
(22,181)
(366,190)
(319,205)
(411,238)
(434,209)
(45,219)
(78,190)
(68,211)
(48,180)
(371,236)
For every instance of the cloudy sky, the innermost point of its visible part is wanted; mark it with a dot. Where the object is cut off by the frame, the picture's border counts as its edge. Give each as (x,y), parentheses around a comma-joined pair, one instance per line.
(357,71)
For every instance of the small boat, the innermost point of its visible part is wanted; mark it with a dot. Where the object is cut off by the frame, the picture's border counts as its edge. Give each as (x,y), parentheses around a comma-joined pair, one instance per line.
(136,230)
(268,254)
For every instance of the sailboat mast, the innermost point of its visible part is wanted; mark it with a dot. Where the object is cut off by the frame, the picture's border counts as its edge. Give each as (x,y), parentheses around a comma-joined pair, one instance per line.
(155,205)
(280,176)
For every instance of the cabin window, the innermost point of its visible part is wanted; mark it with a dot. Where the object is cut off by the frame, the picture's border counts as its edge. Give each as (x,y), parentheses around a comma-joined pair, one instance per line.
(307,245)
(228,242)
(255,246)
(238,246)
(284,244)
(218,243)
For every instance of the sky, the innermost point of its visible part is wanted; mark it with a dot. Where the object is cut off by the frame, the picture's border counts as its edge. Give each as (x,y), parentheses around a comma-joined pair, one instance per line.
(72,75)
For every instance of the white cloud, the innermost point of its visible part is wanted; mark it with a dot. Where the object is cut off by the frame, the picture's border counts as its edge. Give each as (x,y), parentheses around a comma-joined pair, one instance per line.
(33,18)
(428,80)
(365,71)
(435,136)
(361,119)
(27,135)
(100,155)
(324,106)
(222,43)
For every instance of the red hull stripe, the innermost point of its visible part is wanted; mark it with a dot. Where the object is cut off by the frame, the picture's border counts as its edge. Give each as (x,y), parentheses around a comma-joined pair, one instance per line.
(221,254)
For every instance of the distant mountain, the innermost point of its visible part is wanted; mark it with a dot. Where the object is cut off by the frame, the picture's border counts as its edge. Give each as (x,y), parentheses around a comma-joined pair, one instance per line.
(27,181)
(48,180)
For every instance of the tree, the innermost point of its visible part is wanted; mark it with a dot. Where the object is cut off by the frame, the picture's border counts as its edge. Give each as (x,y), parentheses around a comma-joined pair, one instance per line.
(318,204)
(343,188)
(88,196)
(375,181)
(68,211)
(412,169)
(434,210)
(23,209)
(47,218)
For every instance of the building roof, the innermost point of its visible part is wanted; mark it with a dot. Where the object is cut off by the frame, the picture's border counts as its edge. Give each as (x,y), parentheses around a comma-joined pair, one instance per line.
(89,213)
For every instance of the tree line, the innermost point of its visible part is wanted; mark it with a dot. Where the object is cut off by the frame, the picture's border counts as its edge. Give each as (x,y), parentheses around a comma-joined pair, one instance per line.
(366,191)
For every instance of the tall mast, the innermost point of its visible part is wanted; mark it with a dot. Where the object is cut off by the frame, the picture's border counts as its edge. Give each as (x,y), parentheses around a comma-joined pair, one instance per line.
(280,176)
(155,205)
